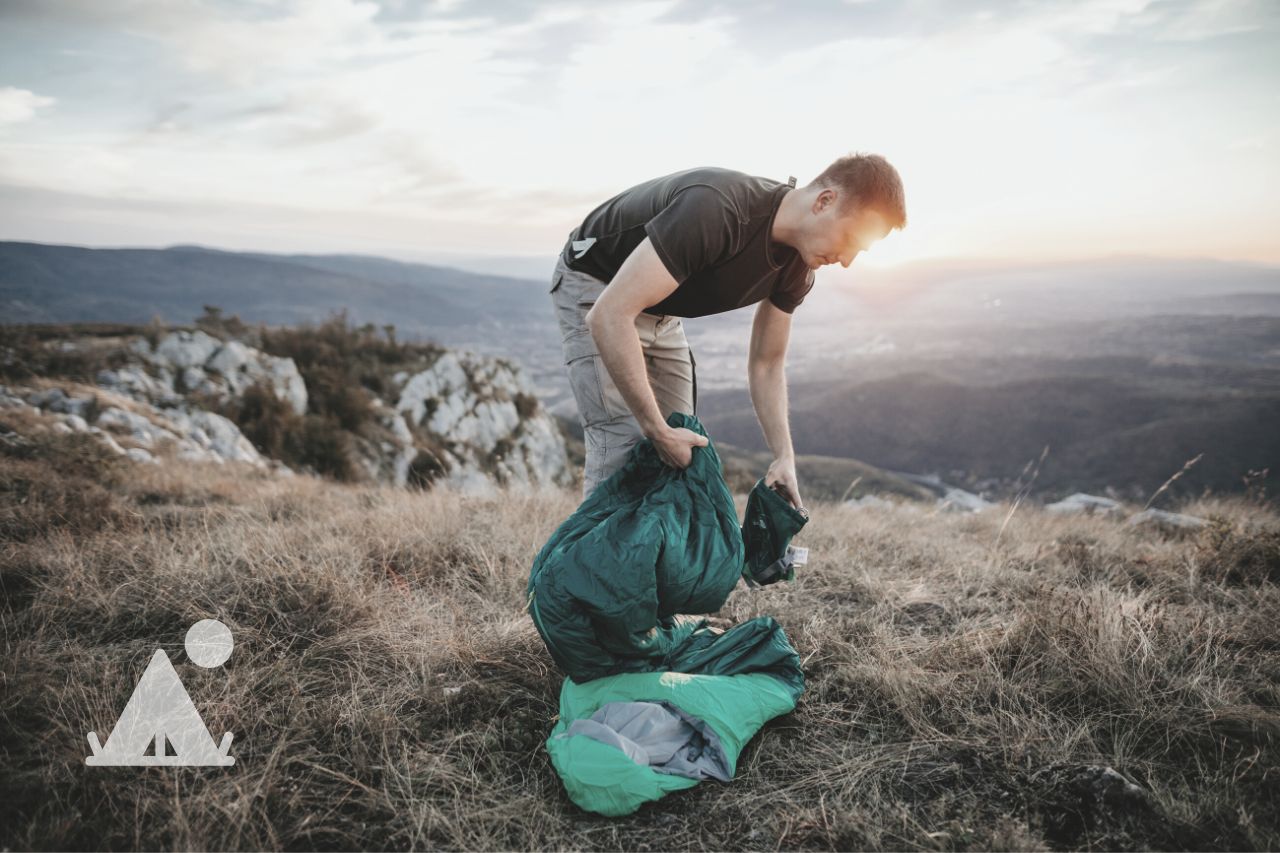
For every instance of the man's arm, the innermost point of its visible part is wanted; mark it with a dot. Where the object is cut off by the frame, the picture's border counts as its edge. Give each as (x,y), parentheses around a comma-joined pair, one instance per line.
(641,281)
(767,381)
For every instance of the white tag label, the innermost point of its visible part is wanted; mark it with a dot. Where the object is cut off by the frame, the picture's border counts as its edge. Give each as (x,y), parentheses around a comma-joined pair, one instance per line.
(799,556)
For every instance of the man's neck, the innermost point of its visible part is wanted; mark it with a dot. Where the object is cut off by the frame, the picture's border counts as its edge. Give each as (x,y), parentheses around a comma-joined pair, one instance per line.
(787,218)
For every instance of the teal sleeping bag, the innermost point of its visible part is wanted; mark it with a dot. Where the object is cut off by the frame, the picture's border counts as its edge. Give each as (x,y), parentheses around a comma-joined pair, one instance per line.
(653,703)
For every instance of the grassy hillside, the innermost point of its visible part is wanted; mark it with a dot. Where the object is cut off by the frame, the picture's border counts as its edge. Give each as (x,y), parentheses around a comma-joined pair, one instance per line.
(388,691)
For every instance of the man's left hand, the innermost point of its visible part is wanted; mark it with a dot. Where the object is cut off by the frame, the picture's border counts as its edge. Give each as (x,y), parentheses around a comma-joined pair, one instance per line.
(781,476)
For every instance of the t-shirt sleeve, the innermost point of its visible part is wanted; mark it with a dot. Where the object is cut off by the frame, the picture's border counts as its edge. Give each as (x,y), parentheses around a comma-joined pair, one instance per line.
(695,230)
(788,298)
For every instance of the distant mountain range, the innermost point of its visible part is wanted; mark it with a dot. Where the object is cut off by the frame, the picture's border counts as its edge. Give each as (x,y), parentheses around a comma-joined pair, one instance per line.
(43,283)
(1125,428)
(1125,367)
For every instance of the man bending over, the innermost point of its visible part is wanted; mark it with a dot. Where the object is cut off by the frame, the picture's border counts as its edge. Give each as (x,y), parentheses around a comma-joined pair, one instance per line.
(694,243)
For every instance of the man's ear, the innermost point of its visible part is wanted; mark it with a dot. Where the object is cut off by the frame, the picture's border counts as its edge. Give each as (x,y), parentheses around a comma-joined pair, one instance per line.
(824,199)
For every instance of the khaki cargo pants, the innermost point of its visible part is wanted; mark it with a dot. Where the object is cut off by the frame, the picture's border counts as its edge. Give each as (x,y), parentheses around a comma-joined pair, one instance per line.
(609,428)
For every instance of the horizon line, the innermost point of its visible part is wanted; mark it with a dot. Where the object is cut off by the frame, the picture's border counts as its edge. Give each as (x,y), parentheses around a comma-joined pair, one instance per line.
(407,256)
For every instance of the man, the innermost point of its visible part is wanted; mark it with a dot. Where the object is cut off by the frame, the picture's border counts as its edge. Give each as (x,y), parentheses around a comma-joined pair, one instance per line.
(694,243)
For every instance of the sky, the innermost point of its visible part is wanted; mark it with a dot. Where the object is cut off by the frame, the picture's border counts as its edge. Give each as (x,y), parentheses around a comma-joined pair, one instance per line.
(1022,130)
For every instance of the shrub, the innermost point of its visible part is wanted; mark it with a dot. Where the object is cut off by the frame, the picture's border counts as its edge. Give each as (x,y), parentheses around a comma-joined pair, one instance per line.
(34,351)
(526,405)
(324,446)
(265,420)
(1233,556)
(332,392)
(226,328)
(339,362)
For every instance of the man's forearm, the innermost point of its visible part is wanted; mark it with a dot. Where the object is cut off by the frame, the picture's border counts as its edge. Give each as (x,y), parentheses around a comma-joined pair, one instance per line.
(768,386)
(619,345)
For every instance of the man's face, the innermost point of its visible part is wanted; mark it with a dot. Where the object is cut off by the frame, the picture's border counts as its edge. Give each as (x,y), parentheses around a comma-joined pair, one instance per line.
(833,238)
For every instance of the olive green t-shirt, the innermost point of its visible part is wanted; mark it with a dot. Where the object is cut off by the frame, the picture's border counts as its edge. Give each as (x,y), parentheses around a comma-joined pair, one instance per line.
(711,227)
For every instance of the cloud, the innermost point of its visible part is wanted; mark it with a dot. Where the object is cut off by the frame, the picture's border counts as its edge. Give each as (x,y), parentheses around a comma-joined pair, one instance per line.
(516,116)
(19,105)
(307,116)
(1202,20)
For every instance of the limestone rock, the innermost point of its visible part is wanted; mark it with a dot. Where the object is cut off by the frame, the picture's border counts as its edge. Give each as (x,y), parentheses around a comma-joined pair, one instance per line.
(468,404)
(477,418)
(958,500)
(135,382)
(185,349)
(215,433)
(194,435)
(140,429)
(1088,504)
(137,454)
(1161,519)
(57,400)
(208,365)
(868,502)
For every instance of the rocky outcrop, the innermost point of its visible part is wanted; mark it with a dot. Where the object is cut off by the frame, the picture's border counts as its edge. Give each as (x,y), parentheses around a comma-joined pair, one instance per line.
(1155,519)
(388,459)
(183,362)
(467,421)
(143,432)
(484,416)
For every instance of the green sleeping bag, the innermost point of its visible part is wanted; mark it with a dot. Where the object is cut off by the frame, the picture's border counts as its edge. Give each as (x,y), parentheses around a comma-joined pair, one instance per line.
(653,703)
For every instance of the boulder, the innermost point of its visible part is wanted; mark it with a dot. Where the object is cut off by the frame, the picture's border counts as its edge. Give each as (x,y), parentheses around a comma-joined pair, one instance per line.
(1087,504)
(958,500)
(136,383)
(138,428)
(57,400)
(1163,520)
(869,502)
(137,454)
(183,348)
(219,435)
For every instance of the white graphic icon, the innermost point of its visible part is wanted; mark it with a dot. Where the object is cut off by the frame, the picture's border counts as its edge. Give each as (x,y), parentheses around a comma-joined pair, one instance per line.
(160,711)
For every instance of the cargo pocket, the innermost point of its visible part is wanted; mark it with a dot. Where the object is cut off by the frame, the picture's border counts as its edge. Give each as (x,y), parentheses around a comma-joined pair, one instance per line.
(589,290)
(585,382)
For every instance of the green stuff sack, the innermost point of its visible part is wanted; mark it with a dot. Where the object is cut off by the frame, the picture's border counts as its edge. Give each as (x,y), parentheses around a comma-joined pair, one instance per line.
(766,534)
(654,703)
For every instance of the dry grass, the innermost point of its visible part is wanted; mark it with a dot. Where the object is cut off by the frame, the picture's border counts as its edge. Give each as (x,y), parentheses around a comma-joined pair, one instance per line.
(953,679)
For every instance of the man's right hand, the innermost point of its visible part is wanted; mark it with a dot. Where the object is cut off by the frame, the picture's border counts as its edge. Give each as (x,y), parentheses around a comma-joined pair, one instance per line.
(675,445)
